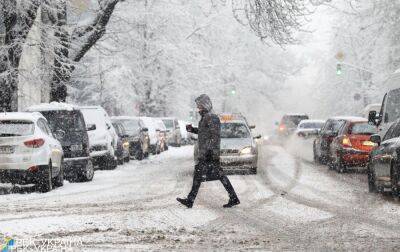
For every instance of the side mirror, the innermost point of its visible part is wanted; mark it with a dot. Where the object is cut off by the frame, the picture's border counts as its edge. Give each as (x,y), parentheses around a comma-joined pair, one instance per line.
(90,127)
(375,139)
(372,117)
(276,123)
(257,137)
(144,129)
(59,134)
(108,126)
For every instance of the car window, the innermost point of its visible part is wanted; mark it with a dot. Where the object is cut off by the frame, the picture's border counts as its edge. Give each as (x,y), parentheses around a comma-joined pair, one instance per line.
(42,125)
(68,121)
(169,124)
(311,125)
(16,128)
(363,128)
(334,125)
(389,133)
(326,126)
(234,130)
(131,126)
(396,130)
(393,105)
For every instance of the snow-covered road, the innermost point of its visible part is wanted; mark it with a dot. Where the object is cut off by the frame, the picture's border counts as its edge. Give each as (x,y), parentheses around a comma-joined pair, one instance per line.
(291,204)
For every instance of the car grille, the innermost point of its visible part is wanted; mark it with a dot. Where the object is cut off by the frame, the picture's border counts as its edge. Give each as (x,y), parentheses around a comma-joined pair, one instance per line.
(226,152)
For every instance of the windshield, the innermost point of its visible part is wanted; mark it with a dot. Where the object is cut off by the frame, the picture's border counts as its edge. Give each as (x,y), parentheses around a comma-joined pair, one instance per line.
(234,130)
(131,126)
(94,116)
(67,121)
(311,125)
(169,123)
(16,128)
(363,129)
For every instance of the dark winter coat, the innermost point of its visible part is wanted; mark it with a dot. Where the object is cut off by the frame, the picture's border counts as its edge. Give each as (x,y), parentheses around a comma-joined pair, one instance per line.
(209,140)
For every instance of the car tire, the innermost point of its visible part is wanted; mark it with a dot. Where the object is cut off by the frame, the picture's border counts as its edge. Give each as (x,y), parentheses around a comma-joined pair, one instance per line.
(87,174)
(394,180)
(45,182)
(371,181)
(127,159)
(139,155)
(120,161)
(59,180)
(112,163)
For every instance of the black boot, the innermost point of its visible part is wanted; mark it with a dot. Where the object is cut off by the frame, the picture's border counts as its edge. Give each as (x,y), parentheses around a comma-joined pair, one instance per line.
(185,202)
(232,202)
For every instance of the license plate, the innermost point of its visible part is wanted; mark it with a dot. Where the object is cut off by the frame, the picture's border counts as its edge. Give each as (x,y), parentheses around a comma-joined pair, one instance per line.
(6,149)
(76,147)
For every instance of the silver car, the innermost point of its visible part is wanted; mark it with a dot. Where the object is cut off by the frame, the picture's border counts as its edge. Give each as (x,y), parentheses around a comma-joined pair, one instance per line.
(239,152)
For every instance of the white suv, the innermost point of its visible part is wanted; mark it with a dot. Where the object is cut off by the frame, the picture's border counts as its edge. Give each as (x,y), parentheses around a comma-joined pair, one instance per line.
(102,137)
(28,151)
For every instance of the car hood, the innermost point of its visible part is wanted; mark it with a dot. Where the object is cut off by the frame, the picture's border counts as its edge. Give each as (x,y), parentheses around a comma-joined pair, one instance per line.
(235,143)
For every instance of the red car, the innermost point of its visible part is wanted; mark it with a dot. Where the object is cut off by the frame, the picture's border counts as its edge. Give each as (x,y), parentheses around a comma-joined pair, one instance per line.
(351,146)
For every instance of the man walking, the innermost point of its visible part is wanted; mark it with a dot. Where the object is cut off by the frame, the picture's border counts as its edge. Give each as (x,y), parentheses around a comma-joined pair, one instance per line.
(208,166)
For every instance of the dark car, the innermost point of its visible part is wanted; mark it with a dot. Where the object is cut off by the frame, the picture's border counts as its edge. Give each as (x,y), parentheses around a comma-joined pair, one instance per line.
(383,167)
(322,143)
(289,123)
(122,151)
(352,146)
(68,125)
(139,141)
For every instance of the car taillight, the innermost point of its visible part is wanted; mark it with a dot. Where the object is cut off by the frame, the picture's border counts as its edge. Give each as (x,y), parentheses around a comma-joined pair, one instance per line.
(282,127)
(346,142)
(35,143)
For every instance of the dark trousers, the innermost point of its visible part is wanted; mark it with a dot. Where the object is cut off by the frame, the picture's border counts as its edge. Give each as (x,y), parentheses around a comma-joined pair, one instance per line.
(225,182)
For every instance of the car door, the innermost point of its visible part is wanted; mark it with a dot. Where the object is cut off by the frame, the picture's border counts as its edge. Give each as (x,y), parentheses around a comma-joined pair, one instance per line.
(318,140)
(336,141)
(383,155)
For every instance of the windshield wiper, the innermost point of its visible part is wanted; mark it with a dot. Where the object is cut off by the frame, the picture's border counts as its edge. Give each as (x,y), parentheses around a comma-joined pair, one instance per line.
(8,134)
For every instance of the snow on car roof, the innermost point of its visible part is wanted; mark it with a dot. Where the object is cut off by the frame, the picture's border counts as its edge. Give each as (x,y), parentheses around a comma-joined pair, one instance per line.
(350,118)
(52,106)
(21,116)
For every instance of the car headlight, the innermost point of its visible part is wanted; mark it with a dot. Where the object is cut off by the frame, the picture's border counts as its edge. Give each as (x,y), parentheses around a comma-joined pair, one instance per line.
(246,151)
(125,145)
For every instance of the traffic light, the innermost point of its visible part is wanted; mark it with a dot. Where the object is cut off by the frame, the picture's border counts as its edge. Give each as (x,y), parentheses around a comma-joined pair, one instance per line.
(339,69)
(233,92)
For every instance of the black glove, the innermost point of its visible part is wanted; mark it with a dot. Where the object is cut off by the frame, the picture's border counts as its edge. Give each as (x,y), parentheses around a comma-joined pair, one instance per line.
(189,128)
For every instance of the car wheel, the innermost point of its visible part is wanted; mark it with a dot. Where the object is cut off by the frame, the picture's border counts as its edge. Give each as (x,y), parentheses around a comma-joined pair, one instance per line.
(45,182)
(120,161)
(112,163)
(59,180)
(88,173)
(394,180)
(371,181)
(127,159)
(139,155)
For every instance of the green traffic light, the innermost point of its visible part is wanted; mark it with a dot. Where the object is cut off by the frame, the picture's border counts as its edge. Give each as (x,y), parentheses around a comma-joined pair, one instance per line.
(339,69)
(233,92)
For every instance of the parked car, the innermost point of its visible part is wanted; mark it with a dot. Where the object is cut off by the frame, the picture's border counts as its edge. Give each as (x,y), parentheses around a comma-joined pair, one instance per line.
(102,137)
(29,153)
(161,133)
(139,141)
(389,112)
(122,151)
(239,151)
(68,126)
(322,143)
(351,147)
(174,137)
(155,143)
(384,161)
(308,128)
(289,123)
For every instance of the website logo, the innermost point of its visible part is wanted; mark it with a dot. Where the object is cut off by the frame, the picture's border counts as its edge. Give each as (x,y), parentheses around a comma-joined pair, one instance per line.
(7,245)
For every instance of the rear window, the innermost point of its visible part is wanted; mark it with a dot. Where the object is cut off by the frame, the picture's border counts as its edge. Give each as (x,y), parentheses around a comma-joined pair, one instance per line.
(10,128)
(363,129)
(65,120)
(234,130)
(293,121)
